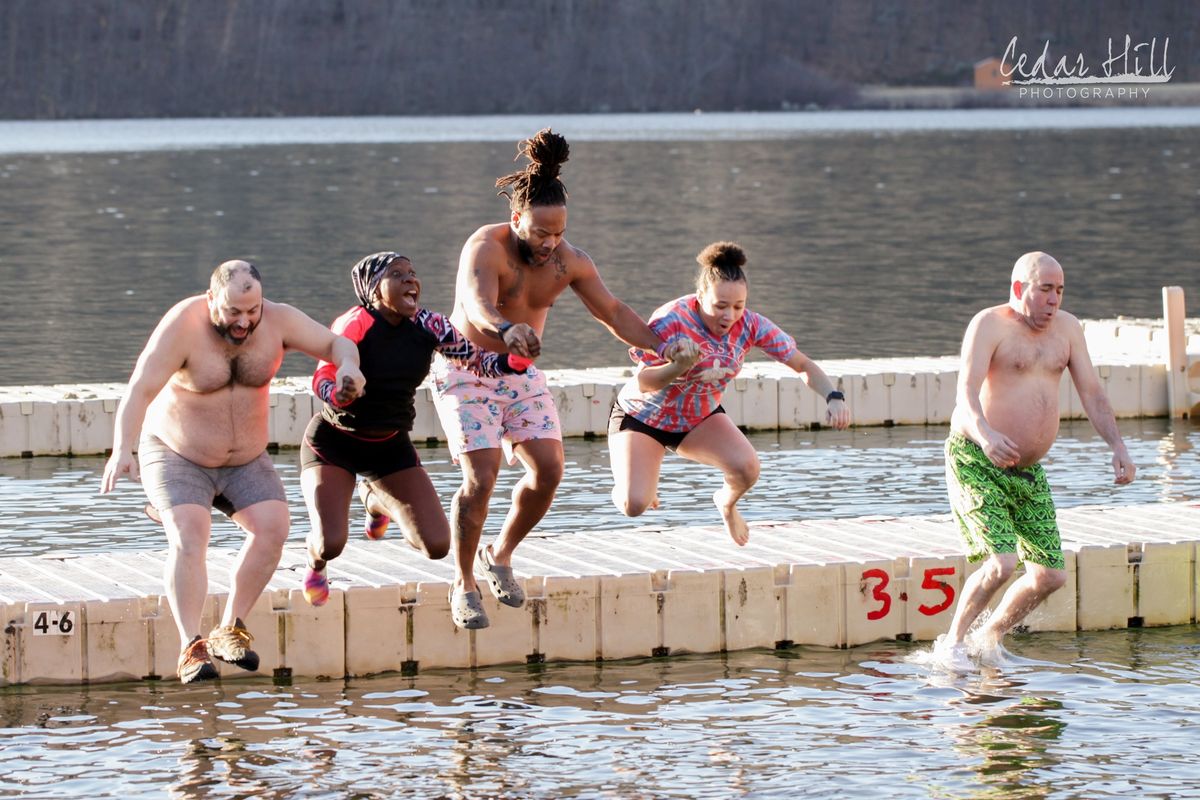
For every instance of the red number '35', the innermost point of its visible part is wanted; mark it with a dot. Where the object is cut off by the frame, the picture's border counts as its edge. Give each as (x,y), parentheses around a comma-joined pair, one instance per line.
(930,581)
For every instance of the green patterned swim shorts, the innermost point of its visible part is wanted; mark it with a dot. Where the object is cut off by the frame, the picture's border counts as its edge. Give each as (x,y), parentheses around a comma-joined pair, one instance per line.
(1001,510)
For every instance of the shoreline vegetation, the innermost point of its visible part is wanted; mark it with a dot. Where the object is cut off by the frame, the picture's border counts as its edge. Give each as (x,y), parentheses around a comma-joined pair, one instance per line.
(869,97)
(886,98)
(353,58)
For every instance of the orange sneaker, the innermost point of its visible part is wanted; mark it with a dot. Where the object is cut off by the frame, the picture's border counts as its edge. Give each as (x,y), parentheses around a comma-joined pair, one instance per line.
(194,662)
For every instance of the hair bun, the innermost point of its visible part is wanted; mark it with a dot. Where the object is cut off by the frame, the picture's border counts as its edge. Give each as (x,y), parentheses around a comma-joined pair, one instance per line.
(547,151)
(537,183)
(722,255)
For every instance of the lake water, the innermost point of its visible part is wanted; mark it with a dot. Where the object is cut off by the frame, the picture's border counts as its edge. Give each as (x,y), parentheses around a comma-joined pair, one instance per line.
(869,235)
(1098,715)
(50,505)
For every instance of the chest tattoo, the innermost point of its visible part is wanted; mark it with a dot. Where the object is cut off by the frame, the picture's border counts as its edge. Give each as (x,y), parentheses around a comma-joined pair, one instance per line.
(518,280)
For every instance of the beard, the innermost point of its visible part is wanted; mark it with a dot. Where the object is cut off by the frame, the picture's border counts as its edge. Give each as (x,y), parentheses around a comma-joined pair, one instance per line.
(528,255)
(224,332)
(524,250)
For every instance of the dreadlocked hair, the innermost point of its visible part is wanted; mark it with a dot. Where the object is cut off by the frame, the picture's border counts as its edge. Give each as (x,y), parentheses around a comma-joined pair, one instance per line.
(538,183)
(720,261)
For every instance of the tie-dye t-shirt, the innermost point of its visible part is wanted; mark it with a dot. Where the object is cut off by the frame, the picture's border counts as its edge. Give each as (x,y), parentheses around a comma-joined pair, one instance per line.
(686,402)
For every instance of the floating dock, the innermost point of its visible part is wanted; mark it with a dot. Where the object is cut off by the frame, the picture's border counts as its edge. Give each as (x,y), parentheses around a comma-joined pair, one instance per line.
(1148,370)
(593,595)
(635,593)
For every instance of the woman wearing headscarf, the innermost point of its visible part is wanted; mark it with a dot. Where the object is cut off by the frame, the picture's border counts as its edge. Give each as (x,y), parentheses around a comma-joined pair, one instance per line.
(368,436)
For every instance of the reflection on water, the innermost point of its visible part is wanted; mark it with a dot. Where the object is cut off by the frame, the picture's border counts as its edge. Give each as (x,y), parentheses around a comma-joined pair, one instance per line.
(1102,715)
(861,244)
(51,504)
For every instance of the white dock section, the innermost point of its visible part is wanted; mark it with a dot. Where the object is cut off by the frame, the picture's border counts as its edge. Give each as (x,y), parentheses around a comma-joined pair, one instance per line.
(594,595)
(1130,358)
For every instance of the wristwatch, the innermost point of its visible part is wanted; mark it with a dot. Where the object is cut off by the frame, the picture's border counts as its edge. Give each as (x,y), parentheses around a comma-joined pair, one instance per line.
(503,327)
(834,395)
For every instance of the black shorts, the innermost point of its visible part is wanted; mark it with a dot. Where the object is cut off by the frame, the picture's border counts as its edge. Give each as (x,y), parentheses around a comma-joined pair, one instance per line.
(619,421)
(325,443)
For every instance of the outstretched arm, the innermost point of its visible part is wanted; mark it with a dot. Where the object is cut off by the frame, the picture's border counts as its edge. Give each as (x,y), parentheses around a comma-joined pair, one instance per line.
(1096,405)
(620,319)
(837,412)
(979,345)
(301,332)
(163,355)
(458,348)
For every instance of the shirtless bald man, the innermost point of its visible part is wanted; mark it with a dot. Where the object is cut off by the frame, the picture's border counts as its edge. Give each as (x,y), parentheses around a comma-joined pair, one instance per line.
(1004,422)
(509,275)
(201,387)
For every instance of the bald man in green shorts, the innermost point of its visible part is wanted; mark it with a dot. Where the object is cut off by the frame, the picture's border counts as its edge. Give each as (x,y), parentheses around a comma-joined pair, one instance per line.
(1005,420)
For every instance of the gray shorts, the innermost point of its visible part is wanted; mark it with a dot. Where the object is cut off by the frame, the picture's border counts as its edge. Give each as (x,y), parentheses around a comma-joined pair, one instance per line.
(171,480)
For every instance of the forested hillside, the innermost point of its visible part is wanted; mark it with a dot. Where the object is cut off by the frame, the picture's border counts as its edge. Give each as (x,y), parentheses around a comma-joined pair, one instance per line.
(133,58)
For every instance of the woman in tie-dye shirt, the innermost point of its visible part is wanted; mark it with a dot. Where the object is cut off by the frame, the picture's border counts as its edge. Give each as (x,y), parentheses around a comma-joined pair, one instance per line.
(676,405)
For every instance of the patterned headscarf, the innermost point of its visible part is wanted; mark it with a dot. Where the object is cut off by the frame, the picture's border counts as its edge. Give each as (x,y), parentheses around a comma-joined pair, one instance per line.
(368,273)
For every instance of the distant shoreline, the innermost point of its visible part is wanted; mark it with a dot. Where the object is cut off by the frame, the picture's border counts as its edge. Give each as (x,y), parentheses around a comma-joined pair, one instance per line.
(139,135)
(1170,95)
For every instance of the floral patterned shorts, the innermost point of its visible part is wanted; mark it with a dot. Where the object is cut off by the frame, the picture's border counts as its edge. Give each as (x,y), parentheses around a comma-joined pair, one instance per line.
(483,413)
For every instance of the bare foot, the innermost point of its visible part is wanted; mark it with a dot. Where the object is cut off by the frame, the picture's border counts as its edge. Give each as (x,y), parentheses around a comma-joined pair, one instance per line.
(655,503)
(735,526)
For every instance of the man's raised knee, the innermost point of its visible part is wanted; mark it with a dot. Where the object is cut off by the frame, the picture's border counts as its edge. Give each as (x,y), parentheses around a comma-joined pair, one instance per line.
(547,477)
(1051,580)
(544,471)
(998,569)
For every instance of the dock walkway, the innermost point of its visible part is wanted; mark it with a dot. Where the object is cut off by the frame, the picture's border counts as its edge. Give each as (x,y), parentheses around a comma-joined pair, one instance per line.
(594,595)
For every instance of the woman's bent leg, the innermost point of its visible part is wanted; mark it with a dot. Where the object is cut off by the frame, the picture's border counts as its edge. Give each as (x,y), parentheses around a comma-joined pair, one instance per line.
(636,461)
(718,443)
(409,498)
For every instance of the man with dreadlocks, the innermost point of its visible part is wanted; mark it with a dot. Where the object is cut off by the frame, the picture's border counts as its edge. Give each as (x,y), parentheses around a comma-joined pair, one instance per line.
(368,435)
(509,275)
(201,387)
